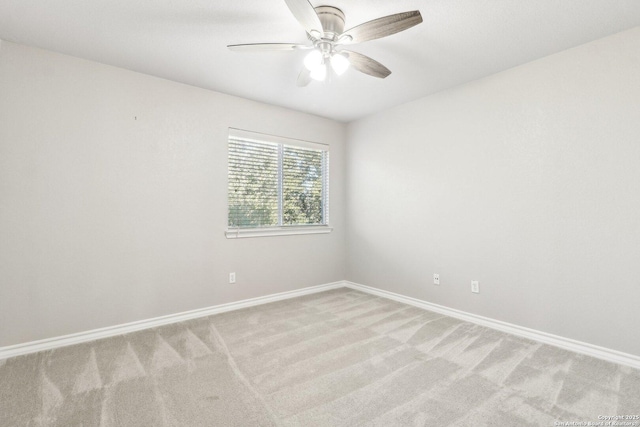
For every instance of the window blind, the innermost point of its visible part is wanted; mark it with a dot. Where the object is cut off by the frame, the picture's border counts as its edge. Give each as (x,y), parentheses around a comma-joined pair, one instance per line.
(276,181)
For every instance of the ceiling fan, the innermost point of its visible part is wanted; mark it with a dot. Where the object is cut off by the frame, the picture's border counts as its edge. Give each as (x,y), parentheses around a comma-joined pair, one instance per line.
(325,29)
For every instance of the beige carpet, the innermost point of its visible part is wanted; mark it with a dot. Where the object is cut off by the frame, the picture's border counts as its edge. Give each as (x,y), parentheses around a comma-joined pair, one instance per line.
(337,358)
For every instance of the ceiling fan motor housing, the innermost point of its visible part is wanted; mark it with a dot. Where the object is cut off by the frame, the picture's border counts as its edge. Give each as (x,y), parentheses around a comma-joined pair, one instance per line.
(332,20)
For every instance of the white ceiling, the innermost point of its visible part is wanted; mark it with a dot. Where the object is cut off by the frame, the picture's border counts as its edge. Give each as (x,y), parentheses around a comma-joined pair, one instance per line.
(185,41)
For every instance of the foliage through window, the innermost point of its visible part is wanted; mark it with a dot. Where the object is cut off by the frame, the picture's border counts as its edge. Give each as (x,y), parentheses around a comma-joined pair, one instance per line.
(276,181)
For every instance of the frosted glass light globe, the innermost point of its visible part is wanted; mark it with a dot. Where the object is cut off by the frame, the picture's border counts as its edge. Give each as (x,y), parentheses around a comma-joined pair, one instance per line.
(339,63)
(313,60)
(319,73)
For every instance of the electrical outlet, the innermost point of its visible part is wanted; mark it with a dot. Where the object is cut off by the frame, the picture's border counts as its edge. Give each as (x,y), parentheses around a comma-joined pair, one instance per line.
(232,277)
(436,279)
(475,287)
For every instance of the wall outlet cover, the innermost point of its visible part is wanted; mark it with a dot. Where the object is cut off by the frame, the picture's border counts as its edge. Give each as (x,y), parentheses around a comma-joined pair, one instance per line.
(475,287)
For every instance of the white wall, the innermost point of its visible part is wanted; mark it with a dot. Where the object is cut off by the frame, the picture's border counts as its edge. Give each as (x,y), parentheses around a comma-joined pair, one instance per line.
(113,190)
(528,181)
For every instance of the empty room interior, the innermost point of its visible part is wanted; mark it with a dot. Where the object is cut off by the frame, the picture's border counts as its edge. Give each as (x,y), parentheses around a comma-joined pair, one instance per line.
(315,213)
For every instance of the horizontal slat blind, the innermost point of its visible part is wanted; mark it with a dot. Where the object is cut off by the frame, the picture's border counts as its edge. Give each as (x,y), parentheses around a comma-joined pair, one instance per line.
(275,184)
(325,187)
(302,186)
(253,184)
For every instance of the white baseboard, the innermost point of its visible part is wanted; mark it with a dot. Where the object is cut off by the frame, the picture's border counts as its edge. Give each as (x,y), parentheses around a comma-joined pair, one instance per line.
(557,341)
(81,337)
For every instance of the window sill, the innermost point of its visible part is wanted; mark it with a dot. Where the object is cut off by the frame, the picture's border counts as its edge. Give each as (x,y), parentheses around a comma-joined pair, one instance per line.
(240,233)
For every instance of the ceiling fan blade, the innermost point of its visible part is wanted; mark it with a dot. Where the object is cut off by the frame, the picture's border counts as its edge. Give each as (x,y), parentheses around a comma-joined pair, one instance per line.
(306,15)
(304,78)
(366,65)
(381,27)
(261,47)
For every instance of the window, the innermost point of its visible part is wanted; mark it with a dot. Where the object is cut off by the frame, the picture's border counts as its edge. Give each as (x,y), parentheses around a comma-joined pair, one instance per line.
(277,185)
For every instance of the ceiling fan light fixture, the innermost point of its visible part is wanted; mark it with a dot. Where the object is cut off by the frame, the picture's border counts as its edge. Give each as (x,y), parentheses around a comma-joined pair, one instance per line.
(324,27)
(339,63)
(319,73)
(313,59)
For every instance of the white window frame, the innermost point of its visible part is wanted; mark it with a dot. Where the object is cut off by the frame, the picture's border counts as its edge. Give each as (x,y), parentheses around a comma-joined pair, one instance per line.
(280,229)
